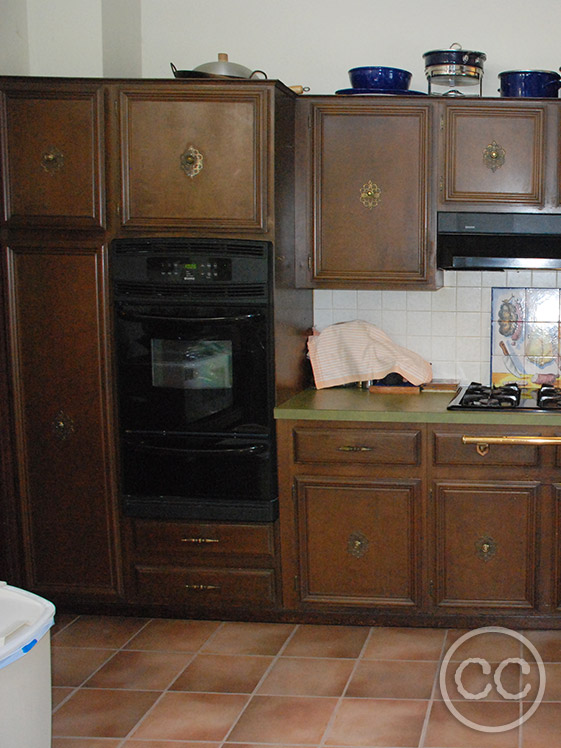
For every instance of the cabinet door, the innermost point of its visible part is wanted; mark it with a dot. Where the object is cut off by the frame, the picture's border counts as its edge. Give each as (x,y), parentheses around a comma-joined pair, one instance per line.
(358,541)
(363,189)
(194,158)
(52,156)
(63,440)
(486,545)
(494,154)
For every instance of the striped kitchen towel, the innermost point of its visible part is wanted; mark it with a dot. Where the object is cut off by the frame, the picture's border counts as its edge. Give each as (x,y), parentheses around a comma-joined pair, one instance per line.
(358,351)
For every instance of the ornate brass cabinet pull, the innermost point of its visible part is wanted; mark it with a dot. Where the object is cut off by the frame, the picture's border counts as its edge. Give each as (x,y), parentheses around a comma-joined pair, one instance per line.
(485,548)
(52,160)
(62,426)
(370,194)
(357,544)
(494,156)
(191,161)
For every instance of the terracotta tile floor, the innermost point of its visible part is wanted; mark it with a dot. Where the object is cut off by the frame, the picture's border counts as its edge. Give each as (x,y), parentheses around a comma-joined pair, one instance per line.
(155,683)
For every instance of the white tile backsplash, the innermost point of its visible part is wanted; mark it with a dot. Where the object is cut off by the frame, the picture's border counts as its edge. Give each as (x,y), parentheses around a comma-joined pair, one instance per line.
(449,327)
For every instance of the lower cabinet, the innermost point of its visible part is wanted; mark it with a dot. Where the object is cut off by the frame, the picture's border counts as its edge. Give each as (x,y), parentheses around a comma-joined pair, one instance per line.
(487,545)
(352,516)
(203,566)
(408,524)
(494,523)
(358,541)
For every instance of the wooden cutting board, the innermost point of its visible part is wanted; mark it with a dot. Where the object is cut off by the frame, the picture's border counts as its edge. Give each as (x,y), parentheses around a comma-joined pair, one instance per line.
(397,390)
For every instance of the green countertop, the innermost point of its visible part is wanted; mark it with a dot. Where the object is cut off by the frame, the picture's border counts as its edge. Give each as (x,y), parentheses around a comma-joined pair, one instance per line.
(350,404)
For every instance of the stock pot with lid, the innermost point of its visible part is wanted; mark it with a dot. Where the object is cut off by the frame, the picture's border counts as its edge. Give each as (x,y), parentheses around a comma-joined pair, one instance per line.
(454,66)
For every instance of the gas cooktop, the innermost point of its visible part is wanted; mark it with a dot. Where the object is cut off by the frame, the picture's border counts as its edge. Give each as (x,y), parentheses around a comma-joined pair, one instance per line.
(476,396)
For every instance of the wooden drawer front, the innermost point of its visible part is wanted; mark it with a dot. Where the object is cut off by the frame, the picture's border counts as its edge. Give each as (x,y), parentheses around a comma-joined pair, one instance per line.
(377,447)
(486,548)
(449,450)
(212,586)
(173,538)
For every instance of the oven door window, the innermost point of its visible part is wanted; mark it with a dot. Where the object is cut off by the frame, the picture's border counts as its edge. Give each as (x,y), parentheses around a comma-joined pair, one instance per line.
(192,370)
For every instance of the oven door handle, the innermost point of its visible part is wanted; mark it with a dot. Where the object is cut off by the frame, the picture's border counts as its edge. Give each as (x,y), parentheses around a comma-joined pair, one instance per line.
(250,449)
(192,320)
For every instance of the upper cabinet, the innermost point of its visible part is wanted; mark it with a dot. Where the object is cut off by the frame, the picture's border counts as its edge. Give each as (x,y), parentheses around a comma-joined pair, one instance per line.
(498,152)
(198,156)
(364,187)
(52,153)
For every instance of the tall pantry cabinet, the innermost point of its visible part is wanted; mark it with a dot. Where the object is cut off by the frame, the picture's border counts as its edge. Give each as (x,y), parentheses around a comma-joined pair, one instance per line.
(83,162)
(63,505)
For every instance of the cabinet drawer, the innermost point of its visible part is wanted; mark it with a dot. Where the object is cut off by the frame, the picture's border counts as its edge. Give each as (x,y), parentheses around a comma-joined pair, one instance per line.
(378,447)
(449,450)
(188,538)
(211,586)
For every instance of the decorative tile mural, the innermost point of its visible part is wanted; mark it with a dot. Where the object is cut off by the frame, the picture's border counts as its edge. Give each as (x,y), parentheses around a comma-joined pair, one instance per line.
(525,338)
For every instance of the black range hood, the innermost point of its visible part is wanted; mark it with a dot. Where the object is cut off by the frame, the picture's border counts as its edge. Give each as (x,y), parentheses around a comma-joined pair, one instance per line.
(499,241)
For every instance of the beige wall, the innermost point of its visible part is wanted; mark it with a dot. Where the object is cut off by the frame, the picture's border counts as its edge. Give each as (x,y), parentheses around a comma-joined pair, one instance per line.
(313,42)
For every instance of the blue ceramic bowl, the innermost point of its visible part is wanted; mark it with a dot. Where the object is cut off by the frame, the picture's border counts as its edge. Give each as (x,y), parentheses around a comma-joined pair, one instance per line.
(378,77)
(534,83)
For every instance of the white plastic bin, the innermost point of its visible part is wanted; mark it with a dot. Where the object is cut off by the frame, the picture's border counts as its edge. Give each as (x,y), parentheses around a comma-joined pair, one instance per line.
(25,669)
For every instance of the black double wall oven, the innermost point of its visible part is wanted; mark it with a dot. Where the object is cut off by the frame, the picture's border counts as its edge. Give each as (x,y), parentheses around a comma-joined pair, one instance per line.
(195,383)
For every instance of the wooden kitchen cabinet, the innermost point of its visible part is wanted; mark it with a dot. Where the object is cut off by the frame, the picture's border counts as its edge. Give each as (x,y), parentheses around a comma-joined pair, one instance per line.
(53,153)
(497,153)
(492,521)
(205,565)
(403,523)
(351,510)
(486,544)
(364,193)
(200,157)
(57,325)
(358,541)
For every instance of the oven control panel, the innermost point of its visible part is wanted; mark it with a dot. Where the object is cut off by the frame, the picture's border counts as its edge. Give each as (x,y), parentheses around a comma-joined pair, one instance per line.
(190,269)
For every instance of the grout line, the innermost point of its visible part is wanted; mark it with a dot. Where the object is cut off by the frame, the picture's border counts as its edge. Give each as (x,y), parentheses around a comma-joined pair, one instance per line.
(109,658)
(434,690)
(358,659)
(166,690)
(261,680)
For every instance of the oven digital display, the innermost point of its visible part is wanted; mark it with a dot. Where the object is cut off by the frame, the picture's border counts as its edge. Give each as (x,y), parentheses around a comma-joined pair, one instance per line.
(190,270)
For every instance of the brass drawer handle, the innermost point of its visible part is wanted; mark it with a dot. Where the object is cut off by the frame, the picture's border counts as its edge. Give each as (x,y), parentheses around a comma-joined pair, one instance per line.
(482,443)
(200,541)
(353,448)
(533,440)
(201,587)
